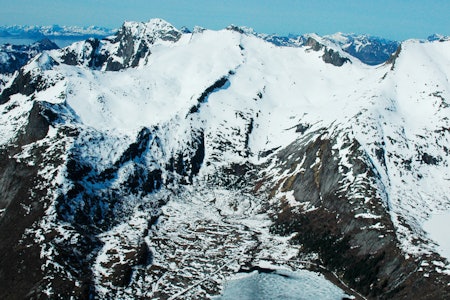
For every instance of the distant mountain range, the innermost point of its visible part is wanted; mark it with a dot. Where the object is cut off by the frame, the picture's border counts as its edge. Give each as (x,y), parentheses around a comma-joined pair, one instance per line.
(54,31)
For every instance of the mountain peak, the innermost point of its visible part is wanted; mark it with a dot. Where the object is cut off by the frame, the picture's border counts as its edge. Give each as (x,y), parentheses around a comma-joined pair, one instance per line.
(158,23)
(130,47)
(154,29)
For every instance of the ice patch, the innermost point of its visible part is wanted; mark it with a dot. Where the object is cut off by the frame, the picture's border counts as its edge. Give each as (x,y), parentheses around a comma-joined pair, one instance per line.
(281,284)
(438,228)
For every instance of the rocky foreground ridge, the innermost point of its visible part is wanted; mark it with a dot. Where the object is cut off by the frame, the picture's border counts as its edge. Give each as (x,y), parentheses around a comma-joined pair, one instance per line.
(157,163)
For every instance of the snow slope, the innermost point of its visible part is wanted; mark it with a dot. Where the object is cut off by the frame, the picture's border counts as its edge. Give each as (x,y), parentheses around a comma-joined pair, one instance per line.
(437,226)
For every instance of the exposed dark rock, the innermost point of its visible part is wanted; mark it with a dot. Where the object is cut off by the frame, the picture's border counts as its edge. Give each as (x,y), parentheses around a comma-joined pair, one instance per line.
(314,44)
(261,270)
(136,149)
(37,126)
(380,154)
(16,182)
(329,55)
(333,57)
(24,205)
(220,83)
(126,50)
(199,154)
(23,84)
(429,159)
(369,262)
(302,128)
(268,152)
(188,164)
(90,54)
(394,57)
(248,132)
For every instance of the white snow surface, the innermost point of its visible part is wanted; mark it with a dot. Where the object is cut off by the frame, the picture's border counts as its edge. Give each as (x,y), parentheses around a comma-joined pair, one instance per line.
(438,227)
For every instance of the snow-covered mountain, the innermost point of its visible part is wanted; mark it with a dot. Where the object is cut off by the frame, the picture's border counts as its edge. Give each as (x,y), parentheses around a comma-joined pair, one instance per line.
(158,163)
(369,49)
(13,57)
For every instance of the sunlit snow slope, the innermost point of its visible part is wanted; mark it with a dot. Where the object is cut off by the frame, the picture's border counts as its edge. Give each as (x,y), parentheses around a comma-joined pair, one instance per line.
(157,163)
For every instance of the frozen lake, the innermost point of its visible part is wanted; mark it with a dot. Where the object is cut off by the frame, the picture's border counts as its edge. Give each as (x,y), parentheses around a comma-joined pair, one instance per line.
(281,284)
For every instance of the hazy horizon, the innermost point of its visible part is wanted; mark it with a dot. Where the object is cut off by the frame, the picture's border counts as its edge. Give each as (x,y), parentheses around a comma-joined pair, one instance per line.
(398,20)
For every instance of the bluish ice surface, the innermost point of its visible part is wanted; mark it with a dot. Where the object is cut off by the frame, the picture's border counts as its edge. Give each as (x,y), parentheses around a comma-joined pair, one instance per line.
(281,284)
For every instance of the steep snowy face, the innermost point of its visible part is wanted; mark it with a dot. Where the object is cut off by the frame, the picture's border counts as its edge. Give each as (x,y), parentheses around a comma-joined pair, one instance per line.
(414,123)
(157,163)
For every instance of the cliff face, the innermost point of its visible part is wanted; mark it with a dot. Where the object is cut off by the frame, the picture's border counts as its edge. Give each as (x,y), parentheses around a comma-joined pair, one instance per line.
(157,163)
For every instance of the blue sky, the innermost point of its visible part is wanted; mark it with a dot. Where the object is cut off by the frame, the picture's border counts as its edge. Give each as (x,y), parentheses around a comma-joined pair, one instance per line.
(395,19)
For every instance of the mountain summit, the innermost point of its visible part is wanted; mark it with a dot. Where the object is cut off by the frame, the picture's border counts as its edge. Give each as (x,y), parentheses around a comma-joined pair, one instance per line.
(159,163)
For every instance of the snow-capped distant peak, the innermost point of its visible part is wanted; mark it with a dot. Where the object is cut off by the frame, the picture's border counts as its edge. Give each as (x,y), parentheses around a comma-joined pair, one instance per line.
(159,24)
(371,50)
(438,37)
(338,37)
(154,28)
